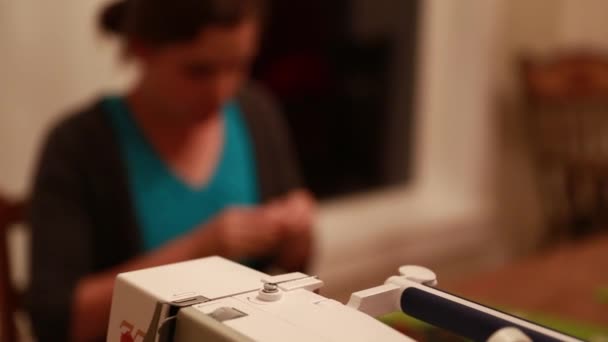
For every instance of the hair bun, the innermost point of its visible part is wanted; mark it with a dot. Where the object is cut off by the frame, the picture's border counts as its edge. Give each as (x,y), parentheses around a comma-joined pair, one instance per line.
(112,17)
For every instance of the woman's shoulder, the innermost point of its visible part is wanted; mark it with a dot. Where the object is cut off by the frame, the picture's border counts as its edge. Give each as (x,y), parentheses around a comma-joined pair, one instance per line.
(261,110)
(275,156)
(82,120)
(254,97)
(79,126)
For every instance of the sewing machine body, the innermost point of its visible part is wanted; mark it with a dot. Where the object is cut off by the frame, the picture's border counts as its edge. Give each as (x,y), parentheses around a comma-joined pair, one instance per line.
(214,299)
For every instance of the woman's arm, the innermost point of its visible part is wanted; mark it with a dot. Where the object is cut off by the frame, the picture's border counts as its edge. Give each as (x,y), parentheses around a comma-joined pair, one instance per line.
(93,294)
(235,234)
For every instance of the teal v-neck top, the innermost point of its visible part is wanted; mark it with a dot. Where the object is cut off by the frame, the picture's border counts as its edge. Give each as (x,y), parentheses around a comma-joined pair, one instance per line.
(166,207)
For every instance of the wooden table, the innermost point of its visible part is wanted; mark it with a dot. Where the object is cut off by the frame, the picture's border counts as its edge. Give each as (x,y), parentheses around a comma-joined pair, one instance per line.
(563,282)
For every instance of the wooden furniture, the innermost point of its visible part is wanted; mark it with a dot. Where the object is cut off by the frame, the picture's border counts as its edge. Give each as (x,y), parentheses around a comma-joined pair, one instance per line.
(563,282)
(566,104)
(11,213)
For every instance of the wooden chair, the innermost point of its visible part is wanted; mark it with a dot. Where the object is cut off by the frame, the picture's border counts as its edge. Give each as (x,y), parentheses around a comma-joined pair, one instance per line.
(11,213)
(566,100)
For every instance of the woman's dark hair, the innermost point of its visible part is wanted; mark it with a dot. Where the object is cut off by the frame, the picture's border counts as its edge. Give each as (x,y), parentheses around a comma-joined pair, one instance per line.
(163,22)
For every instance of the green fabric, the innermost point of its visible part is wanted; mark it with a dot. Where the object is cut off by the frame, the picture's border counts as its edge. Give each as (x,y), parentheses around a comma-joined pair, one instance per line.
(602,295)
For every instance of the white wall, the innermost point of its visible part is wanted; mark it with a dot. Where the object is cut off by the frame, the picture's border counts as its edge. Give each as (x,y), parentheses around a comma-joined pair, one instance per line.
(53,59)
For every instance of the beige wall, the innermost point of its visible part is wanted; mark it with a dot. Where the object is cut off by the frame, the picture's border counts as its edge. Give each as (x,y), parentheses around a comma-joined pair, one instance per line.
(583,23)
(541,26)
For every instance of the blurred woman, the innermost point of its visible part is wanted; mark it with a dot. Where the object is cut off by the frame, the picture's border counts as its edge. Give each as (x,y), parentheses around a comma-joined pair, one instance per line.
(191,162)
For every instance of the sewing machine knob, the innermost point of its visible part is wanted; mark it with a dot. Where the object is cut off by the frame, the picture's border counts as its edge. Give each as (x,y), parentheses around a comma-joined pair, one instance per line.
(270,293)
(270,288)
(509,334)
(419,275)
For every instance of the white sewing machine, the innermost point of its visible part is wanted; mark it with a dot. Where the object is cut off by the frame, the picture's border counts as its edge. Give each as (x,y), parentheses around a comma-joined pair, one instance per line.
(213,299)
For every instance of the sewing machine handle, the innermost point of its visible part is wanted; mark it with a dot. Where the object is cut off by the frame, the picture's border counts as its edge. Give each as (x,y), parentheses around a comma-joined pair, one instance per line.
(466,318)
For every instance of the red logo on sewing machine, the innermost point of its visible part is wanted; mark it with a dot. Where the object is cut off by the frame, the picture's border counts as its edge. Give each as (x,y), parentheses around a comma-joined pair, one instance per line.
(127,333)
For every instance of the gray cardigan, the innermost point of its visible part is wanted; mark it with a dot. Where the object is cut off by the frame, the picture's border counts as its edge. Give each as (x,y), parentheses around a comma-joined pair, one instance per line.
(81,214)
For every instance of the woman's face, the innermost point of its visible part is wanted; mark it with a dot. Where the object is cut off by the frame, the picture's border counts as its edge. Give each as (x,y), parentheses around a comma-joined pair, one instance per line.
(191,81)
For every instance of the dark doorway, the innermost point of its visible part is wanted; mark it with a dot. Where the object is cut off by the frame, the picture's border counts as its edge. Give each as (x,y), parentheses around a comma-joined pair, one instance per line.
(343,71)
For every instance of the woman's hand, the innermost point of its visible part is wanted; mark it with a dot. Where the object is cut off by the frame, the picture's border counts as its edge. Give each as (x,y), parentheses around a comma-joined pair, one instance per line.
(244,233)
(282,228)
(295,213)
